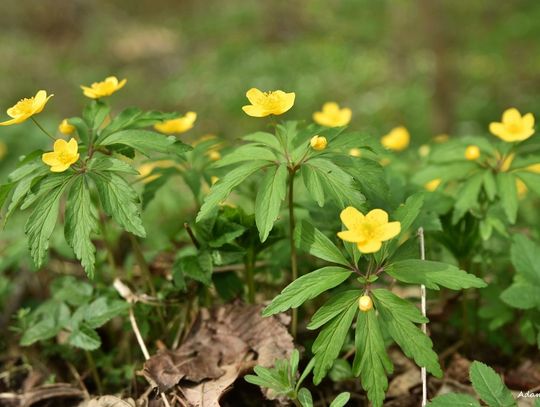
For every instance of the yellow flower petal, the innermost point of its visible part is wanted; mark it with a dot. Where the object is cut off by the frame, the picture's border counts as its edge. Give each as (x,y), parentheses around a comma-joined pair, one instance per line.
(50,158)
(370,246)
(350,236)
(255,111)
(511,115)
(351,217)
(254,96)
(389,231)
(528,120)
(377,216)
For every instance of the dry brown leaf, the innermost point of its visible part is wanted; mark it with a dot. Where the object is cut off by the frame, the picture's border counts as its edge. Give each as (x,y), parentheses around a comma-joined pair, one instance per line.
(222,343)
(108,401)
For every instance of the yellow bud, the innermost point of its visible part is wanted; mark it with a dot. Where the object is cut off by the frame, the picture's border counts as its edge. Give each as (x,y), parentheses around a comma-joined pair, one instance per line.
(214,179)
(318,143)
(441,138)
(355,152)
(472,152)
(433,184)
(214,155)
(424,150)
(365,303)
(65,127)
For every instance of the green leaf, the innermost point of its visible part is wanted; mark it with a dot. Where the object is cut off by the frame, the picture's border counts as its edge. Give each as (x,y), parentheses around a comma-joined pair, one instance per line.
(307,287)
(341,370)
(305,398)
(341,399)
(146,141)
(263,138)
(5,189)
(329,342)
(506,184)
(489,386)
(313,184)
(85,338)
(433,274)
(221,189)
(414,343)
(334,306)
(41,222)
(44,187)
(104,163)
(120,201)
(313,241)
(522,296)
(407,213)
(246,152)
(399,305)
(71,290)
(336,182)
(82,128)
(371,361)
(467,196)
(197,267)
(44,329)
(490,185)
(525,256)
(81,222)
(134,118)
(454,400)
(272,191)
(103,310)
(95,113)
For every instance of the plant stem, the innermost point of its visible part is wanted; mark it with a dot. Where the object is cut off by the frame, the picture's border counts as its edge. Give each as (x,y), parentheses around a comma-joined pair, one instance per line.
(139,257)
(42,129)
(424,312)
(294,264)
(250,273)
(93,369)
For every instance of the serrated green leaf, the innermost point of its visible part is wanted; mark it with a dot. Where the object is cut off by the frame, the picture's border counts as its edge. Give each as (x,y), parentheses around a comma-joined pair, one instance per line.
(41,222)
(44,187)
(453,400)
(334,306)
(506,184)
(341,399)
(414,343)
(81,222)
(197,267)
(399,305)
(307,287)
(104,163)
(146,141)
(246,152)
(433,274)
(467,197)
(271,194)
(85,338)
(313,184)
(311,240)
(134,118)
(305,398)
(490,386)
(120,201)
(329,342)
(102,310)
(525,256)
(337,183)
(221,189)
(371,361)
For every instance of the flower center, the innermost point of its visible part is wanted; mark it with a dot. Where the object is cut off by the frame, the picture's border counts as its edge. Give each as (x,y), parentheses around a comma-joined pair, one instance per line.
(22,107)
(65,157)
(367,229)
(515,127)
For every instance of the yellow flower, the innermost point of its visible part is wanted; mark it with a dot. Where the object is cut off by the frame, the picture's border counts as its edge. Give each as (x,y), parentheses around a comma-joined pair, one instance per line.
(178,125)
(266,103)
(513,127)
(472,152)
(27,107)
(369,231)
(3,149)
(355,152)
(398,139)
(146,169)
(318,143)
(214,155)
(521,188)
(441,138)
(66,128)
(424,150)
(433,184)
(534,168)
(505,162)
(64,154)
(332,116)
(365,303)
(105,88)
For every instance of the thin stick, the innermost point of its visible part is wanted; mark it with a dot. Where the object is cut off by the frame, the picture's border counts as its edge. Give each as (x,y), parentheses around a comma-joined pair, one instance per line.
(294,264)
(42,129)
(126,293)
(424,313)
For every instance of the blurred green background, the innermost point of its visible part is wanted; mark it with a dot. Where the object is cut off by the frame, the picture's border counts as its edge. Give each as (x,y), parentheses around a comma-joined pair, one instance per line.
(434,66)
